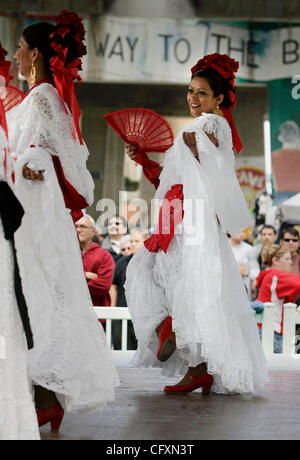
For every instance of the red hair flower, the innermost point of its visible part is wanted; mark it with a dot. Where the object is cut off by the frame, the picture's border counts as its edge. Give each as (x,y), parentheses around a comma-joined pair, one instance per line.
(222,63)
(66,19)
(69,31)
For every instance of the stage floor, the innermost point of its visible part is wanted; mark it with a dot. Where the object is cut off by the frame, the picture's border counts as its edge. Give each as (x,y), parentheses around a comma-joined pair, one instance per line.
(143,412)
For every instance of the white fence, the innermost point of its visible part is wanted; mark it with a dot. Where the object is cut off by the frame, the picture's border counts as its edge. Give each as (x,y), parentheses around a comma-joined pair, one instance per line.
(291,319)
(123,356)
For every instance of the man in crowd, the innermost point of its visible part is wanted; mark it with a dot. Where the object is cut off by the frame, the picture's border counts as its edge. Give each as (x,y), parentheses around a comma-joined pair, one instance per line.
(267,238)
(289,239)
(117,228)
(98,264)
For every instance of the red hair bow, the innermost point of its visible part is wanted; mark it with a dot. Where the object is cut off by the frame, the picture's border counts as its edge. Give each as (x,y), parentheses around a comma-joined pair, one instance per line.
(64,73)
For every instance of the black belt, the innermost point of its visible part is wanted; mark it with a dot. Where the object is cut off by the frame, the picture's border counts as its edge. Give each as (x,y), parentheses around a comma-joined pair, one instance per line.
(11,213)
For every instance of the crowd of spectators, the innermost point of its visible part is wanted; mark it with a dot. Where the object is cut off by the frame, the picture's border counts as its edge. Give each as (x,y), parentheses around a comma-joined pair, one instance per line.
(269,263)
(270,267)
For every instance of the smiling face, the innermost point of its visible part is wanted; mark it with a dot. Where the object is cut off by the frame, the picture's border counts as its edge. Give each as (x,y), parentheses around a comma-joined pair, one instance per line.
(201,98)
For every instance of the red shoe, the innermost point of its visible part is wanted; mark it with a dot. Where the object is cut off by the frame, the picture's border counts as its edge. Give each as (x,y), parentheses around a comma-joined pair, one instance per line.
(167,340)
(53,414)
(204,381)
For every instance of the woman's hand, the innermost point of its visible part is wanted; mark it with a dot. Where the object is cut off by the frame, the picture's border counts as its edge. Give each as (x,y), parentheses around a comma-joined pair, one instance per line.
(131,151)
(190,141)
(30,174)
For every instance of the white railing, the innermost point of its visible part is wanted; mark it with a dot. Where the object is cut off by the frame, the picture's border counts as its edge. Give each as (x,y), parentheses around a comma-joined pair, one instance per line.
(291,319)
(123,356)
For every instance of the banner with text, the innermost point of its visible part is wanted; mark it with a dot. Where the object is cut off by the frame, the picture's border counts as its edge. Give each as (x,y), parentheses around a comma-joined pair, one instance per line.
(164,50)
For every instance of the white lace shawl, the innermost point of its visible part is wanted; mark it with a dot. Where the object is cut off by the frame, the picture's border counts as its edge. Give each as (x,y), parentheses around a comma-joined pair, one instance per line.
(41,121)
(213,179)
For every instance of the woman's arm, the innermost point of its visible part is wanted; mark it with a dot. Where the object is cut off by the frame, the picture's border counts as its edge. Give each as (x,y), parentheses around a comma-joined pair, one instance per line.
(30,174)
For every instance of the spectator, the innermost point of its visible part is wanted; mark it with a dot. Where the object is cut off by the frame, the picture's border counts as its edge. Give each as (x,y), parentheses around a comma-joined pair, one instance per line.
(125,245)
(98,236)
(267,237)
(117,228)
(249,267)
(118,292)
(98,264)
(289,239)
(278,285)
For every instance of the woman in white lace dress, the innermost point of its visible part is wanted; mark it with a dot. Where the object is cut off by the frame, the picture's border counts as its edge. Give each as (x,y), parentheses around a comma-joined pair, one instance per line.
(184,291)
(17,413)
(71,356)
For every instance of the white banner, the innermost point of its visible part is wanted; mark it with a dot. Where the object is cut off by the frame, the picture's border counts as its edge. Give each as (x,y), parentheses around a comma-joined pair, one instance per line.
(132,49)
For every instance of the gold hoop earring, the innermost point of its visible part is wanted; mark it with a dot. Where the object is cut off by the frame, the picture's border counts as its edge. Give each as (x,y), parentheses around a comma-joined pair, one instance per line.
(33,74)
(218,111)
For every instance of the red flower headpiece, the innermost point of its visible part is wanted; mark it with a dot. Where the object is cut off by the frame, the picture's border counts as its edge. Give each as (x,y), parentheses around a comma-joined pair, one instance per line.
(226,67)
(64,73)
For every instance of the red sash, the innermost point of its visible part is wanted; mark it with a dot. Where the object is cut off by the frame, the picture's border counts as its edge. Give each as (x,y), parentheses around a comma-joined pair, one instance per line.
(171,214)
(73,200)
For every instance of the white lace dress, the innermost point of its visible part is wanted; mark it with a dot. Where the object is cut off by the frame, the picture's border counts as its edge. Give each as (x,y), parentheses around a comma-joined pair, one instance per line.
(197,281)
(71,356)
(17,412)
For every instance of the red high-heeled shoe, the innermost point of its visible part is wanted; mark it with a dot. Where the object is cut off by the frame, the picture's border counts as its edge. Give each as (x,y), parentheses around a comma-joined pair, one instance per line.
(167,340)
(53,414)
(204,381)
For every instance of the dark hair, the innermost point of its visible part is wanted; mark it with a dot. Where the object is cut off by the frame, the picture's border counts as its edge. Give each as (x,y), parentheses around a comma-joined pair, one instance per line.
(290,230)
(270,227)
(218,84)
(38,36)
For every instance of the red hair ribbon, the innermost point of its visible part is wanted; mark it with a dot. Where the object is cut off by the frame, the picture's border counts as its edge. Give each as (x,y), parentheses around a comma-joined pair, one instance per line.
(64,73)
(236,141)
(226,67)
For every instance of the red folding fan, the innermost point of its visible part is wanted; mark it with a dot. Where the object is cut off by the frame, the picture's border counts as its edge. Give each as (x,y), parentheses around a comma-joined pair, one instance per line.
(10,96)
(145,129)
